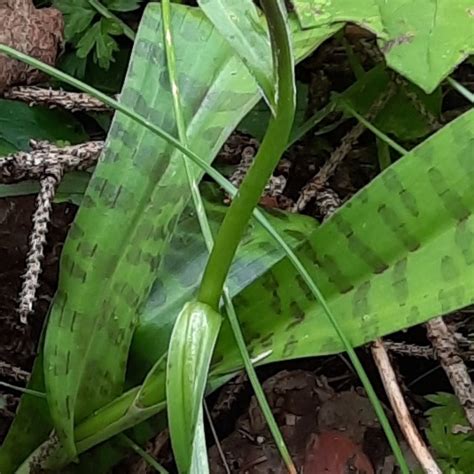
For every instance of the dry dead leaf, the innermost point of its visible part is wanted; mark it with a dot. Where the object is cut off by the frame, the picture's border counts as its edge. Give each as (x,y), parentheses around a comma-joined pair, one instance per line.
(37,32)
(333,452)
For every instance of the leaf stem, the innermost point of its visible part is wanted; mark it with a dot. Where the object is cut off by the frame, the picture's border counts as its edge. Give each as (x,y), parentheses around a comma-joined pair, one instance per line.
(141,452)
(373,129)
(209,241)
(270,151)
(461,89)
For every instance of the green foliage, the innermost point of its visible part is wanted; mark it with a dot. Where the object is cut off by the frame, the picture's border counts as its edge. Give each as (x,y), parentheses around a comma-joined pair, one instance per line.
(450,434)
(19,123)
(190,349)
(92,34)
(364,266)
(370,259)
(422,40)
(400,115)
(240,23)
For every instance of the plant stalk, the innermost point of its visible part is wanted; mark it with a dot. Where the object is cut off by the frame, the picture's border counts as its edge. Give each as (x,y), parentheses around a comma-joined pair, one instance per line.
(209,240)
(272,147)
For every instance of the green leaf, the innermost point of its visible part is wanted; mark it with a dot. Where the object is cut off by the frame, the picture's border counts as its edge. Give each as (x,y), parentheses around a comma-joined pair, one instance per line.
(217,91)
(381,289)
(191,346)
(122,199)
(241,24)
(399,115)
(19,123)
(78,15)
(89,40)
(122,5)
(455,449)
(99,38)
(424,40)
(368,259)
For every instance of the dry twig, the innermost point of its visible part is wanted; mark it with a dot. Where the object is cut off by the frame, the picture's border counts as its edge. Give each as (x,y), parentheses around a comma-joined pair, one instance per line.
(13,372)
(447,351)
(41,219)
(319,182)
(45,156)
(394,394)
(73,101)
(424,352)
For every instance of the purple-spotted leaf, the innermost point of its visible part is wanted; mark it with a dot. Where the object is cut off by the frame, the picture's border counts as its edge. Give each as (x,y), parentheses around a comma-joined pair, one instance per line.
(139,180)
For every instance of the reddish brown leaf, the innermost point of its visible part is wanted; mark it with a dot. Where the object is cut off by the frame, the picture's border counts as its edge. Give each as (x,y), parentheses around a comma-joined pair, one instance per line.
(332,452)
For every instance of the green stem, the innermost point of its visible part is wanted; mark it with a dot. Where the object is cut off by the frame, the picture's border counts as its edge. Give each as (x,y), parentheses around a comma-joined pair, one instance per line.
(270,151)
(208,238)
(141,452)
(461,89)
(309,124)
(106,13)
(373,129)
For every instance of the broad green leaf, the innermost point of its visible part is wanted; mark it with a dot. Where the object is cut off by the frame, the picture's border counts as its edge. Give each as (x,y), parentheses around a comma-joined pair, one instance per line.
(71,189)
(372,257)
(191,346)
(370,260)
(182,271)
(242,25)
(137,193)
(399,115)
(19,123)
(423,40)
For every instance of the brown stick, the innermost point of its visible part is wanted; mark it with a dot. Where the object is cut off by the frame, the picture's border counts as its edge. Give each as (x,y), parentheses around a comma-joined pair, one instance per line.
(45,156)
(319,181)
(73,101)
(447,350)
(395,396)
(41,219)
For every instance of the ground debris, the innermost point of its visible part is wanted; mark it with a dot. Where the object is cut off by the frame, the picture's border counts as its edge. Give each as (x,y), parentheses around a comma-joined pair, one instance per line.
(311,417)
(37,32)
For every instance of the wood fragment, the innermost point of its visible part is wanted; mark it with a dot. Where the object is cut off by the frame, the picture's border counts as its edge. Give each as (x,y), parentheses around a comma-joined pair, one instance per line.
(448,353)
(399,407)
(37,32)
(44,156)
(319,182)
(73,101)
(12,372)
(41,219)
